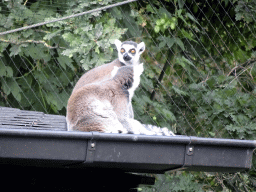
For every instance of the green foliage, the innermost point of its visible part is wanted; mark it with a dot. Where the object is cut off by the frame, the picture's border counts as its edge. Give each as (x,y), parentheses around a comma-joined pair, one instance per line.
(245,10)
(175,182)
(224,109)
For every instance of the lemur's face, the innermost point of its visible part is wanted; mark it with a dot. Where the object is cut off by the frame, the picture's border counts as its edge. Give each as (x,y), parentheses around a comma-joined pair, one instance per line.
(129,52)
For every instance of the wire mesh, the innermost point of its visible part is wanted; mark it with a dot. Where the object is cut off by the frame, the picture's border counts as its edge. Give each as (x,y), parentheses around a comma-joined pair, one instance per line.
(199,76)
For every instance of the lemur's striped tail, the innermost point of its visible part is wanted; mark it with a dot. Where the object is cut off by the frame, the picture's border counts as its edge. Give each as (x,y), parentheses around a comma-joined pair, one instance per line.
(158,130)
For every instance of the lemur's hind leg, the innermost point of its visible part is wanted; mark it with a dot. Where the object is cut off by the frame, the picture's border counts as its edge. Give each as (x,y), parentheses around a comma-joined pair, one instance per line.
(104,113)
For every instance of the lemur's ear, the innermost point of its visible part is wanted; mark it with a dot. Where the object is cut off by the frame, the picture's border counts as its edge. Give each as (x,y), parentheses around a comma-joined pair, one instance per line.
(118,44)
(141,47)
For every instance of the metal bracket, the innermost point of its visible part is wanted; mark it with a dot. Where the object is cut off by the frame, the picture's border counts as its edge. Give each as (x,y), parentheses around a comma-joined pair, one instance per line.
(190,150)
(189,155)
(90,151)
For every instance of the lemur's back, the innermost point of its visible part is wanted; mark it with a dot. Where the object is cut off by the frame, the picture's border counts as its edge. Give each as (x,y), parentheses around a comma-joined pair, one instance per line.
(101,106)
(97,74)
(93,108)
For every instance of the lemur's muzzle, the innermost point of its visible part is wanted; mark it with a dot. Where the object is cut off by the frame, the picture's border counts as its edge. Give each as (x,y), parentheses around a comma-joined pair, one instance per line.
(127,57)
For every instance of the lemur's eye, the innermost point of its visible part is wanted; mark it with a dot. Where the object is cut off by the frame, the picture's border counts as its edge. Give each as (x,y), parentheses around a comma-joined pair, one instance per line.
(133,51)
(122,50)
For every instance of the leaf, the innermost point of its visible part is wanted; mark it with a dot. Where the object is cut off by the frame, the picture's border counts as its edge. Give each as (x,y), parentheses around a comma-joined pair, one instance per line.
(69,52)
(116,13)
(8,22)
(5,70)
(179,42)
(158,22)
(36,52)
(9,71)
(97,50)
(3,47)
(98,30)
(2,69)
(27,13)
(102,60)
(25,83)
(149,8)
(27,33)
(132,26)
(181,3)
(87,28)
(180,92)
(162,44)
(168,114)
(226,2)
(34,6)
(166,40)
(217,108)
(11,86)
(211,82)
(65,61)
(68,37)
(170,41)
(157,29)
(191,17)
(5,87)
(180,61)
(187,61)
(239,55)
(49,36)
(188,35)
(15,49)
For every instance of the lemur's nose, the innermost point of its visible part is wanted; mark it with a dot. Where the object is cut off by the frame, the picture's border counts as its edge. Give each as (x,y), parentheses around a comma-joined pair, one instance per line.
(127,57)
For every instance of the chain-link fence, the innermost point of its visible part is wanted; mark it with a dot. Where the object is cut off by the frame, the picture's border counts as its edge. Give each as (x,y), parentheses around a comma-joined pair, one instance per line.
(199,76)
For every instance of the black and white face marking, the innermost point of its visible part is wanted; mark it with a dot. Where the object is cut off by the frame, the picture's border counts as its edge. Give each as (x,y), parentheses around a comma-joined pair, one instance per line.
(129,52)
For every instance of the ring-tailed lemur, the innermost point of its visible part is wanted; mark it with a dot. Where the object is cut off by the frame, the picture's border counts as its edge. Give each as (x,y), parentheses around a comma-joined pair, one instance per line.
(128,55)
(104,106)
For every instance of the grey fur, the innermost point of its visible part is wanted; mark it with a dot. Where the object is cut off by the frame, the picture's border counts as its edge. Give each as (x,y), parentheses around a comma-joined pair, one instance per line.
(130,43)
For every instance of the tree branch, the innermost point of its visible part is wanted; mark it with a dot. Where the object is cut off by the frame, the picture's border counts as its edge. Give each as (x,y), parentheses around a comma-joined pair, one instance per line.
(31,41)
(241,66)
